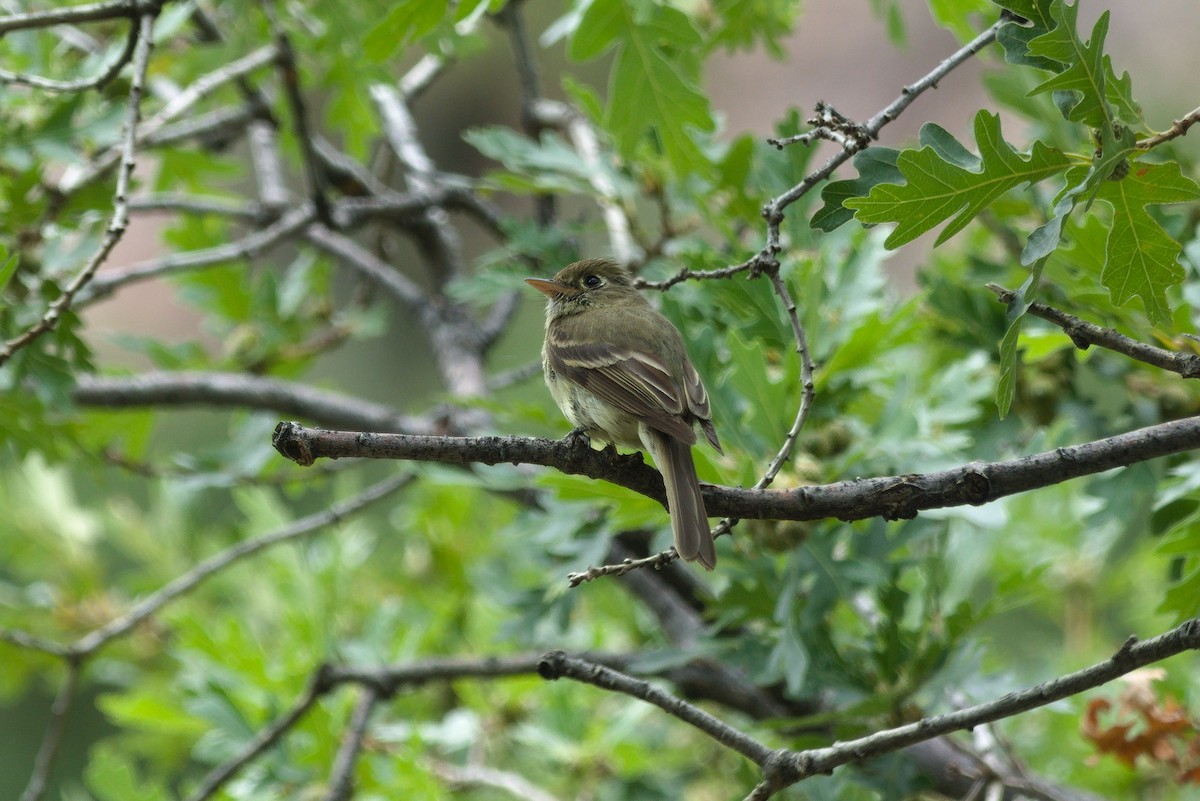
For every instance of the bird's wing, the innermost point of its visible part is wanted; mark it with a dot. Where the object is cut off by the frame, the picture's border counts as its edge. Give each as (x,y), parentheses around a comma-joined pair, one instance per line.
(697,401)
(636,382)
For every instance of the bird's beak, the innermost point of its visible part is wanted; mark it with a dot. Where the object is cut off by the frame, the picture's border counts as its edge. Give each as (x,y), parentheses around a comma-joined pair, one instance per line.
(550,288)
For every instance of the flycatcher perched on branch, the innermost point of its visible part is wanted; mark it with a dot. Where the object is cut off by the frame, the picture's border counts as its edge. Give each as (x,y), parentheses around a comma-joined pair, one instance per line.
(619,372)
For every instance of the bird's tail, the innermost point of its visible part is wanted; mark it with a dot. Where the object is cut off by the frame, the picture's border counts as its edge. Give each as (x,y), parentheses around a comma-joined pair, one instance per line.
(689,520)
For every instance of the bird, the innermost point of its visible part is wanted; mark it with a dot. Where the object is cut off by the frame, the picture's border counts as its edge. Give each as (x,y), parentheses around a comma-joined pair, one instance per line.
(619,371)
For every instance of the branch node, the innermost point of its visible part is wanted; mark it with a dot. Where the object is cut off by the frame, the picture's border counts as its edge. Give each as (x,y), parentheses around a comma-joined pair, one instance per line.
(782,768)
(1124,655)
(550,666)
(291,445)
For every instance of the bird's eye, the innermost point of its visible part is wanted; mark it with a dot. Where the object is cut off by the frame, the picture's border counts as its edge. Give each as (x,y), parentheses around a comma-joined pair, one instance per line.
(592,281)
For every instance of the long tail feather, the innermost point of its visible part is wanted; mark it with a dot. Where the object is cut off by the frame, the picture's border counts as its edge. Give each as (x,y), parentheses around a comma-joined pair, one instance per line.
(689,520)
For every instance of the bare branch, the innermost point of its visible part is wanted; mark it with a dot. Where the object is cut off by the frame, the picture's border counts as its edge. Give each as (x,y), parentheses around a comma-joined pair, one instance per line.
(120,216)
(795,766)
(890,497)
(557,665)
(552,113)
(247,247)
(220,124)
(92,12)
(341,775)
(435,235)
(47,754)
(375,268)
(218,776)
(253,213)
(765,259)
(806,395)
(100,80)
(1180,128)
(149,605)
(1084,334)
(481,776)
(290,76)
(74,179)
(31,642)
(267,160)
(243,391)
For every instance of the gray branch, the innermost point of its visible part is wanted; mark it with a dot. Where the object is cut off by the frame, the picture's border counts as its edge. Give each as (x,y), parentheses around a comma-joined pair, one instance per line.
(242,391)
(890,497)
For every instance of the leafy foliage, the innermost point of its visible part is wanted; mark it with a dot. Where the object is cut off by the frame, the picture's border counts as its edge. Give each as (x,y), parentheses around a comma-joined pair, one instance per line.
(112,492)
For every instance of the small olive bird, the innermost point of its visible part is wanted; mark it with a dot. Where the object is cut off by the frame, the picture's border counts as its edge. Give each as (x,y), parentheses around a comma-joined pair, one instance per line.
(619,372)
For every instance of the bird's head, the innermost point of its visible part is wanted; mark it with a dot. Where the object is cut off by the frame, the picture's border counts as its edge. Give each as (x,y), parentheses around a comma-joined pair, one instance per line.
(586,284)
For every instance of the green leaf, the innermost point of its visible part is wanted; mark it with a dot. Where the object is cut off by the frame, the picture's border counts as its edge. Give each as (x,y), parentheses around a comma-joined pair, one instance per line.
(944,181)
(111,777)
(875,165)
(408,21)
(9,268)
(1142,259)
(748,24)
(1116,145)
(544,165)
(1015,37)
(1097,96)
(653,82)
(1006,386)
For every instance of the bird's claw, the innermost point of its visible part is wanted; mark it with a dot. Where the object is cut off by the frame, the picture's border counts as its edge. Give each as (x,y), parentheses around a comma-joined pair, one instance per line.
(577,437)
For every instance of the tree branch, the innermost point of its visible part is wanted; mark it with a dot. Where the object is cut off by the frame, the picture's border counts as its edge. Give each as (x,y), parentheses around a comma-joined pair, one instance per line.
(92,12)
(218,776)
(289,73)
(556,665)
(101,79)
(119,221)
(890,497)
(791,767)
(1179,128)
(1084,334)
(243,391)
(149,605)
(47,754)
(247,247)
(341,775)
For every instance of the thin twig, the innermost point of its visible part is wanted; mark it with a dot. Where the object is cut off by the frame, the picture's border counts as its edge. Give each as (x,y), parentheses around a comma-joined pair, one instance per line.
(92,12)
(1084,334)
(557,665)
(56,729)
(183,584)
(407,292)
(803,407)
(1179,128)
(341,775)
(220,124)
(32,642)
(247,247)
(74,179)
(100,80)
(253,213)
(119,221)
(219,775)
(189,388)
(290,75)
(1133,654)
(435,235)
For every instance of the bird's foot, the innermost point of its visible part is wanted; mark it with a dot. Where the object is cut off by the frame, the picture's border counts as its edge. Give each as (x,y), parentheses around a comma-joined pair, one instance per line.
(577,437)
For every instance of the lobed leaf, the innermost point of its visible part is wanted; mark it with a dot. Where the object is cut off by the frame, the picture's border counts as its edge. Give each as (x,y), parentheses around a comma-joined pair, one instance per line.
(943,181)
